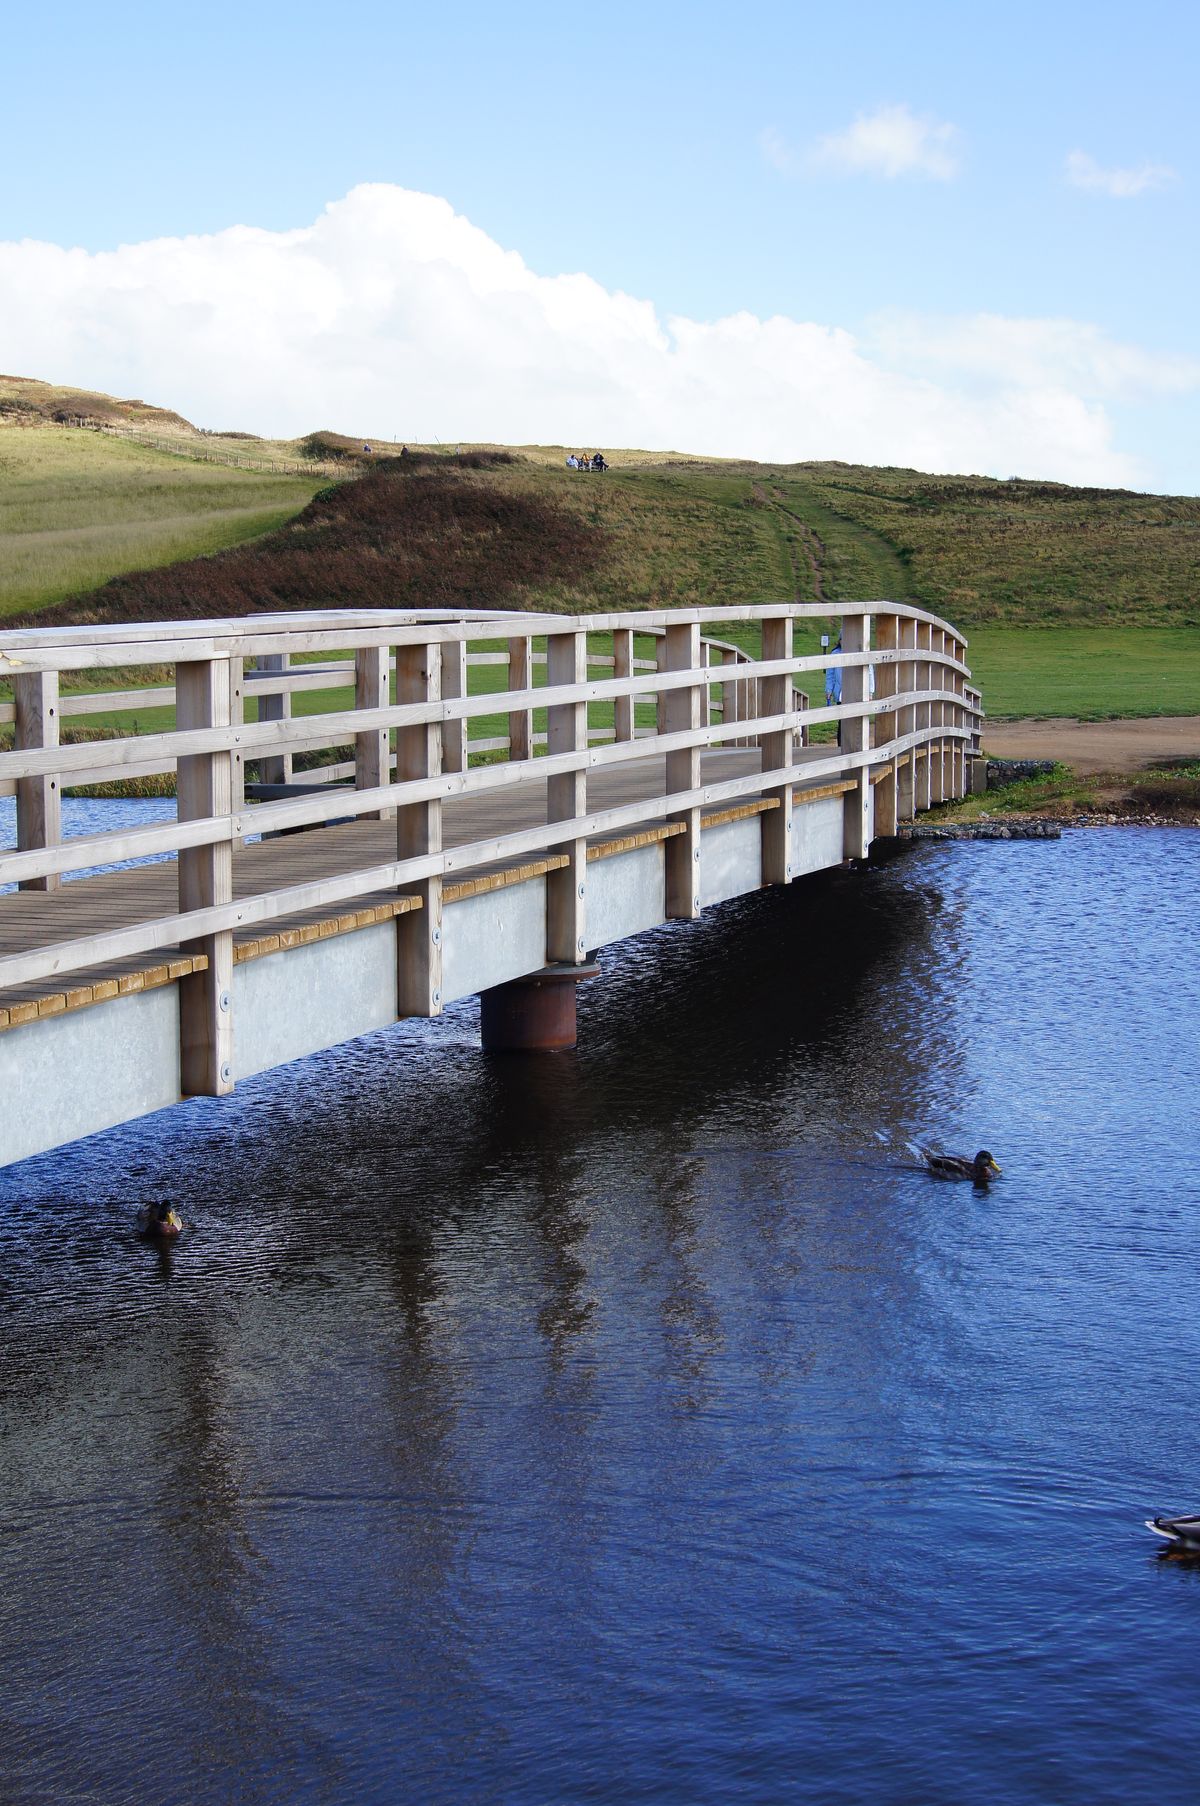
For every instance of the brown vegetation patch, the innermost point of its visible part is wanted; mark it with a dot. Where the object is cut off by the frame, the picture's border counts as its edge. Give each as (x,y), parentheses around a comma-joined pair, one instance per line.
(418,532)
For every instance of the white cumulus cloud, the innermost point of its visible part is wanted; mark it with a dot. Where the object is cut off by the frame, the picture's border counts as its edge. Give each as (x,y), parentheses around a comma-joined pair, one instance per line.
(391,315)
(1029,354)
(893,141)
(1083,171)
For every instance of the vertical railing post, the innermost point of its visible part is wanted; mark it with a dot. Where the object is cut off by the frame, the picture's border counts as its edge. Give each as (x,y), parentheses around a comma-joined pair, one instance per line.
(856,738)
(887,638)
(39,800)
(520,677)
(419,830)
(962,766)
(777,752)
(660,699)
(906,724)
(204,783)
(680,711)
(924,714)
(566,798)
(275,768)
(623,706)
(937,679)
(372,747)
(454,686)
(729,691)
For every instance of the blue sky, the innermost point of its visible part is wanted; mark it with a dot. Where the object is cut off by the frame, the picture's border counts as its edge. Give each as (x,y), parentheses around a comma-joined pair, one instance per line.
(707,160)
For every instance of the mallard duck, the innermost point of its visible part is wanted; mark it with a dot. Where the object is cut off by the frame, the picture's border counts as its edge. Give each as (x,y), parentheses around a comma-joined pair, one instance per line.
(159,1220)
(1182,1533)
(957,1166)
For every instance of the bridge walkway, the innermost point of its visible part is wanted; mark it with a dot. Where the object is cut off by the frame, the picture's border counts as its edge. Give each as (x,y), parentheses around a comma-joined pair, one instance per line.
(118,899)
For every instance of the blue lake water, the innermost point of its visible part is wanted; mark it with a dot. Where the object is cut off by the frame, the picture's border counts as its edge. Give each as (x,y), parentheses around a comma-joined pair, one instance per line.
(95,815)
(632,1425)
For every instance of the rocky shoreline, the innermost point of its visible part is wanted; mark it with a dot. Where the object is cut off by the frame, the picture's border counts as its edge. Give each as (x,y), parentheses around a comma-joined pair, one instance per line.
(1037,827)
(981,830)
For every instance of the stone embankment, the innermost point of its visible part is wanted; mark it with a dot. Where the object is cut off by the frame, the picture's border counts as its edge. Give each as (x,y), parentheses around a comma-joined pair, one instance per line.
(1037,828)
(982,830)
(1015,771)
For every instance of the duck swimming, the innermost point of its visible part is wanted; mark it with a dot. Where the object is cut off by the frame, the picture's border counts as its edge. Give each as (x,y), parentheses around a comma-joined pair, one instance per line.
(1183,1534)
(161,1221)
(957,1166)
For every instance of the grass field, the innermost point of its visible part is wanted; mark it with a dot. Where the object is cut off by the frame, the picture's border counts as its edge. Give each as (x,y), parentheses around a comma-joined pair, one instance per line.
(77,509)
(1091,674)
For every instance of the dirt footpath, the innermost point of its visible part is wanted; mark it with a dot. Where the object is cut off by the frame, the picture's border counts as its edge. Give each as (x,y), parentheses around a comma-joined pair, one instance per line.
(1094,746)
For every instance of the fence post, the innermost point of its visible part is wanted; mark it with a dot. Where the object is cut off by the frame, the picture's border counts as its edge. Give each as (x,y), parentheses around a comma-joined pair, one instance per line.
(937,715)
(679,711)
(205,788)
(729,691)
(275,768)
(856,738)
(887,637)
(923,786)
(566,798)
(454,685)
(623,716)
(777,752)
(419,830)
(372,749)
(520,677)
(237,716)
(39,800)
(960,720)
(906,721)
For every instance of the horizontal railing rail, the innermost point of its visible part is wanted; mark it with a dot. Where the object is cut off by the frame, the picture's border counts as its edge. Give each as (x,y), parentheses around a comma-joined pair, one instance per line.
(575,695)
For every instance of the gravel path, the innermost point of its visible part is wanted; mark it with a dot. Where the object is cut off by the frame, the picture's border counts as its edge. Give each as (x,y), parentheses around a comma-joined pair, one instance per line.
(1095,746)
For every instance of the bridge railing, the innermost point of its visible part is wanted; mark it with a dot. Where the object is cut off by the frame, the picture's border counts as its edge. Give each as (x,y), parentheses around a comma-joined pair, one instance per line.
(270,684)
(904,736)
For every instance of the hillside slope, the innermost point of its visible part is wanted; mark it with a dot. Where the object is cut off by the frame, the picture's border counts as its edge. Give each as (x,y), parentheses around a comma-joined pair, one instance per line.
(78,507)
(657,530)
(1023,552)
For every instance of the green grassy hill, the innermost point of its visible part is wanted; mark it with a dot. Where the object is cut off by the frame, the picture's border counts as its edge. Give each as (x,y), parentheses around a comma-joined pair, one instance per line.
(77,509)
(95,526)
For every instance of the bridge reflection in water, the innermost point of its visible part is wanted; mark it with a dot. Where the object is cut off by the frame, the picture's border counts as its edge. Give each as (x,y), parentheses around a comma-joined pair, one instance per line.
(643,771)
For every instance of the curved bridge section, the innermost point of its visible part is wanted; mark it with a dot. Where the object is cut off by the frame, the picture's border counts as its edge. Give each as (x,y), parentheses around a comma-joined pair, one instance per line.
(379,813)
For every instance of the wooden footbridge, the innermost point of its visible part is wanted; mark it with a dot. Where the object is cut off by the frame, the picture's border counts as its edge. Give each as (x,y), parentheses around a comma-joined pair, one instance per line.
(488,798)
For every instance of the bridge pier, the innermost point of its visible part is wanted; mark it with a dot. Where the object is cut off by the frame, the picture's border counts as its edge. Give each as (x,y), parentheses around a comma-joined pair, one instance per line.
(535,1014)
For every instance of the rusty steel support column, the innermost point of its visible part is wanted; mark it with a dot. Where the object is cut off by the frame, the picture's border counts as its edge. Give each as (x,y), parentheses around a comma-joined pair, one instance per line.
(535,1014)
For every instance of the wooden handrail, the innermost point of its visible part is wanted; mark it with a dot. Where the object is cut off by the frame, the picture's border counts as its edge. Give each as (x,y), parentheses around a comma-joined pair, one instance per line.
(933,706)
